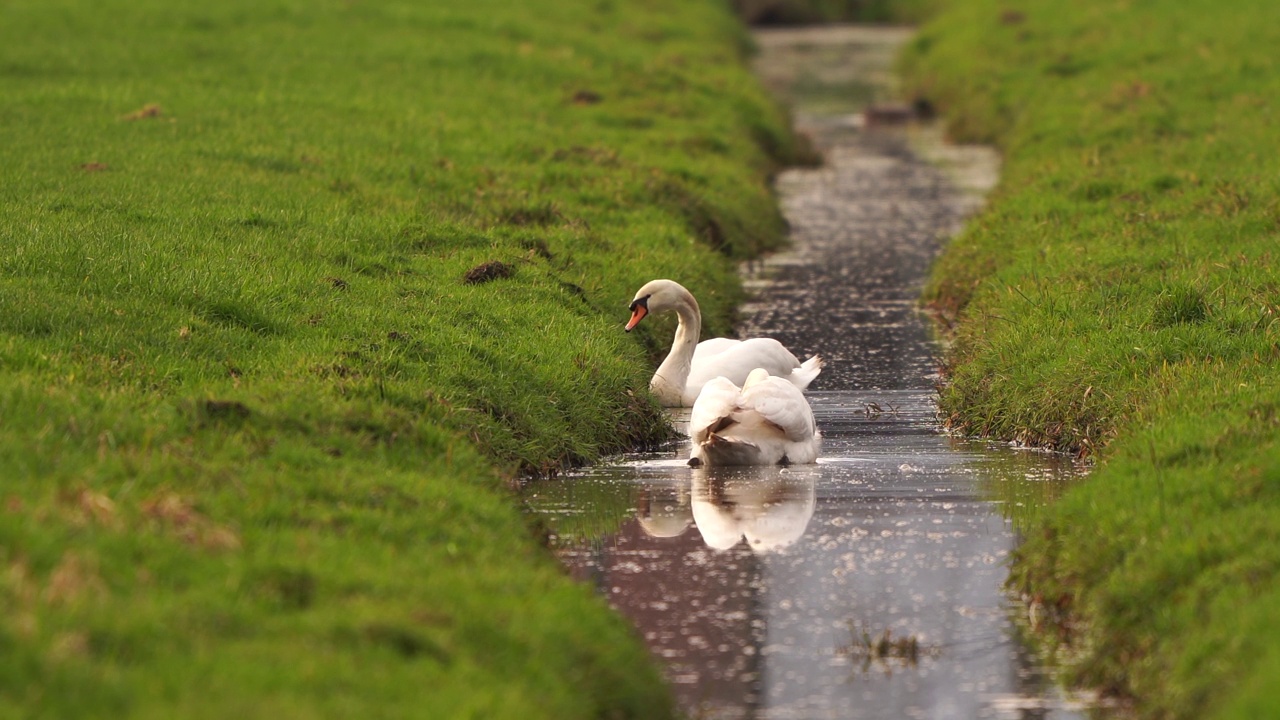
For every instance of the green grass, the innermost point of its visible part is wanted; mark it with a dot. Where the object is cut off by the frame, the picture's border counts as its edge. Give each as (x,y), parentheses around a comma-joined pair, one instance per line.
(256,426)
(1119,298)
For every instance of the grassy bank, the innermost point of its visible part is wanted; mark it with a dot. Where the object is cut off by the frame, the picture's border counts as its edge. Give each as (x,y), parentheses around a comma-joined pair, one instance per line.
(290,291)
(1120,297)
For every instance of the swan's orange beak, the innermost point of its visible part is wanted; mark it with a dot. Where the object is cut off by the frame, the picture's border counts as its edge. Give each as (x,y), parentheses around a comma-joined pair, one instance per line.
(638,312)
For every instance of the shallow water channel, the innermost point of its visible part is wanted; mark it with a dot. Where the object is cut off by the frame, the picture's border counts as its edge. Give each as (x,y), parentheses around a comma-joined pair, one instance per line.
(868,585)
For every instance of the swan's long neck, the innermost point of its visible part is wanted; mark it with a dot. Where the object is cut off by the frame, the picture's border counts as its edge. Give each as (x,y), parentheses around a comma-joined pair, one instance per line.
(673,374)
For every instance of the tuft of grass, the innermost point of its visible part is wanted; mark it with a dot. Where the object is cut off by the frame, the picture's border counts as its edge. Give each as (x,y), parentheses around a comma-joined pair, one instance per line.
(1118,299)
(1179,305)
(290,294)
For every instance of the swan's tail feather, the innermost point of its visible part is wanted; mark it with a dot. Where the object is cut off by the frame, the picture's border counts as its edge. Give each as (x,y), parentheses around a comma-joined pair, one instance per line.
(808,370)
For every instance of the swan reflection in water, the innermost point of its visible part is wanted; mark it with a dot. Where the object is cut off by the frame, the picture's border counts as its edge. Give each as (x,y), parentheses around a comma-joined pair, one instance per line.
(769,506)
(662,508)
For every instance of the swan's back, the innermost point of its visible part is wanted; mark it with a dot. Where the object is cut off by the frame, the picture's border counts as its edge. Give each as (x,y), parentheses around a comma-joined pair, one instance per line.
(782,406)
(735,359)
(766,422)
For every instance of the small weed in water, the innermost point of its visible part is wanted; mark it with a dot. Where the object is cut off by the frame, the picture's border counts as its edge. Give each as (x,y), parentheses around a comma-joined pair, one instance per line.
(885,650)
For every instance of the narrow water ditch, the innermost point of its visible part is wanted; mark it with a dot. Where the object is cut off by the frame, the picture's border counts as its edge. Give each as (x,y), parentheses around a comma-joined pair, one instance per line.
(868,585)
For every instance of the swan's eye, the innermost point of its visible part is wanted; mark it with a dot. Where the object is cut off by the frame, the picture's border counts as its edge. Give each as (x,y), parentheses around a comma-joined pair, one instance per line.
(640,302)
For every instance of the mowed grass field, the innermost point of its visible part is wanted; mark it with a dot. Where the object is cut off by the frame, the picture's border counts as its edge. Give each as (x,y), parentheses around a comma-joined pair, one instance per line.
(1120,297)
(290,293)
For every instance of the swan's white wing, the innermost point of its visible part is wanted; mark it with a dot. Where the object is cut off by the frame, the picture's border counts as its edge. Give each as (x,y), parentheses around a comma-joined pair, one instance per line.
(718,399)
(713,346)
(763,424)
(782,404)
(736,359)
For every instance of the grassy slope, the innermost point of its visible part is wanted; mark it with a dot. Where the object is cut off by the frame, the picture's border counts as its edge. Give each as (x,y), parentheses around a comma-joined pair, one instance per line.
(254,426)
(1121,296)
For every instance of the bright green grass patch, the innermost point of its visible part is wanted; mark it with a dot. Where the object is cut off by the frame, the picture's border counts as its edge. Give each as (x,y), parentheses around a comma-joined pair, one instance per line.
(1121,297)
(288,291)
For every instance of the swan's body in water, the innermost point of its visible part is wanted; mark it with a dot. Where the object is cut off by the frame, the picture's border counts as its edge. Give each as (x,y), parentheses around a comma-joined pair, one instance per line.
(767,421)
(691,364)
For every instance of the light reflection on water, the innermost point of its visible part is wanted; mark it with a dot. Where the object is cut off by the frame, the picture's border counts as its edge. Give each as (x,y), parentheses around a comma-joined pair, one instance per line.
(755,585)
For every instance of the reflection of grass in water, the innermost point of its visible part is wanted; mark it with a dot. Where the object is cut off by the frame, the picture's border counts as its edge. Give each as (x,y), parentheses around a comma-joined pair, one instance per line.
(1024,482)
(578,510)
(826,98)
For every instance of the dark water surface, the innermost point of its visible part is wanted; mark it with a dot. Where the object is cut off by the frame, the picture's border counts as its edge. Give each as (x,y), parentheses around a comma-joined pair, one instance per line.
(868,585)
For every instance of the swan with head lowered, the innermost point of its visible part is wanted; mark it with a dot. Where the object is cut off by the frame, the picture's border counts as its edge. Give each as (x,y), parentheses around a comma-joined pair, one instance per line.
(767,421)
(691,364)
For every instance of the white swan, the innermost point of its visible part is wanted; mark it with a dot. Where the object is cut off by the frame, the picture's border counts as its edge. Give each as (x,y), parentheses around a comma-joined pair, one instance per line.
(765,422)
(690,364)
